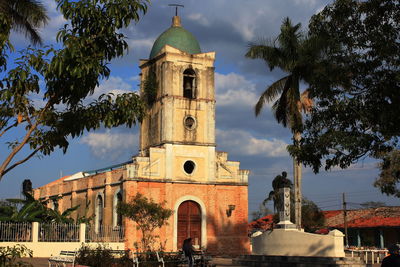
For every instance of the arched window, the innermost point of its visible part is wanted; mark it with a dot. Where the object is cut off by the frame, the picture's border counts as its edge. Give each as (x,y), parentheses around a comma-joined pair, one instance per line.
(99,213)
(117,218)
(189,84)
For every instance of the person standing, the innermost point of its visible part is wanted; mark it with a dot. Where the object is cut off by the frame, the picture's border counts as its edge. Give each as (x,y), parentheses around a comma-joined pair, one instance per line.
(187,248)
(393,259)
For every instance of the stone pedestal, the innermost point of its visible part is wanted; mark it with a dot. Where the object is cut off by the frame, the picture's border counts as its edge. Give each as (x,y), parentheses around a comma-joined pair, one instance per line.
(284,242)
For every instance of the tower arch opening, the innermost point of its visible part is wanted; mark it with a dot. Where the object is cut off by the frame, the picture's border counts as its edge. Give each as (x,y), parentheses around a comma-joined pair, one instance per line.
(189,83)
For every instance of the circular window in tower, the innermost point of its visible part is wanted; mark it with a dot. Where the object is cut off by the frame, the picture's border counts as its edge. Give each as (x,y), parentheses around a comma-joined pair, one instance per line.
(189,166)
(189,122)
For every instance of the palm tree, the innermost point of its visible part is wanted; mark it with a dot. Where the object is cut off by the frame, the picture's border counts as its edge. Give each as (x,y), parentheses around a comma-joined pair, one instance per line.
(25,16)
(296,55)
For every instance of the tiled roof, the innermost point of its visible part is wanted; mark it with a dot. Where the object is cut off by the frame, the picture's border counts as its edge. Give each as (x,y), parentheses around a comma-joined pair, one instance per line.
(365,218)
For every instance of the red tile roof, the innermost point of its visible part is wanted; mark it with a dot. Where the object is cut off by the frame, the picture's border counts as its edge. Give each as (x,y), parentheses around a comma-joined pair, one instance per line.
(365,218)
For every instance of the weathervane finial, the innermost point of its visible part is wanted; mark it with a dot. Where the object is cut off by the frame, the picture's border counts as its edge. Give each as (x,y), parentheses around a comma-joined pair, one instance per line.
(176,8)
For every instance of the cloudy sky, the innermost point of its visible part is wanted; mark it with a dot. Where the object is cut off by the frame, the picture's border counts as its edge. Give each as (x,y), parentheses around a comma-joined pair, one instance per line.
(226,27)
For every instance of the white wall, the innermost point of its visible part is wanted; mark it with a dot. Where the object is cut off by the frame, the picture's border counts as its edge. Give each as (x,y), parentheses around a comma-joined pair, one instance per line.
(283,242)
(48,249)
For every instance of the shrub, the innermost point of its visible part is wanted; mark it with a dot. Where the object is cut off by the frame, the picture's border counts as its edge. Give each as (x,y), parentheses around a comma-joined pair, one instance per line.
(10,256)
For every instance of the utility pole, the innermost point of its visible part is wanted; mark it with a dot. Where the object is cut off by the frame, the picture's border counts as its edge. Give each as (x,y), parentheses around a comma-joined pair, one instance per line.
(345,221)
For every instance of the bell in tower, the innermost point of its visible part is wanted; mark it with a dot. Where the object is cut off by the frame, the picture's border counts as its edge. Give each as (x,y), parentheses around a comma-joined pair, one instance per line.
(189,83)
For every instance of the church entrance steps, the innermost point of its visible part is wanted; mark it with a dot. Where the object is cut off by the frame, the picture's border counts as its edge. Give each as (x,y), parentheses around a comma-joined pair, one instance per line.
(296,261)
(222,262)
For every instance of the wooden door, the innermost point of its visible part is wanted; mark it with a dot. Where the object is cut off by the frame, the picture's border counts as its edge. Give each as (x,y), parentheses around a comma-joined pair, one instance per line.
(189,223)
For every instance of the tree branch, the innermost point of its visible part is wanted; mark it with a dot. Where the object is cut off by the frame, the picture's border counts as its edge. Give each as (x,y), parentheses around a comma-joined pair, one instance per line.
(21,161)
(8,128)
(23,142)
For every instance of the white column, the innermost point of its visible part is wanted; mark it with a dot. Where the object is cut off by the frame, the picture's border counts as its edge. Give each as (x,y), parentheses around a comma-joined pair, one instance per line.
(82,233)
(35,232)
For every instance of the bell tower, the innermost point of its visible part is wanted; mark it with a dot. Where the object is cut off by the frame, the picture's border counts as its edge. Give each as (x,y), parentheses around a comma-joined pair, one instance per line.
(177,83)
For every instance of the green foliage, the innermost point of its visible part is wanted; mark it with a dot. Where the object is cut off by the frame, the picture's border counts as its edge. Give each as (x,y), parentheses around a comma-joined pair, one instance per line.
(148,216)
(312,217)
(101,256)
(357,84)
(10,256)
(24,16)
(296,54)
(150,88)
(33,210)
(70,75)
(389,177)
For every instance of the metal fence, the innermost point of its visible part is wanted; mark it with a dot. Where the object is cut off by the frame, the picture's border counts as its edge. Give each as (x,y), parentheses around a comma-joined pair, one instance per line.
(55,232)
(15,232)
(104,233)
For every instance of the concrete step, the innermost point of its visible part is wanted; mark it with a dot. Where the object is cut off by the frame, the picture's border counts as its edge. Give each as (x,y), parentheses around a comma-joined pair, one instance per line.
(261,260)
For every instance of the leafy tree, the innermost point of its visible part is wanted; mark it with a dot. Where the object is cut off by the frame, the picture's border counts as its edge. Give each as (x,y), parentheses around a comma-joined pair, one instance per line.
(24,16)
(357,86)
(70,74)
(389,176)
(148,216)
(294,53)
(312,216)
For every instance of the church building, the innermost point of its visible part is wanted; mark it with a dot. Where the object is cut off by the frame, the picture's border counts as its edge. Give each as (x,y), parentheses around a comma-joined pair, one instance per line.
(177,162)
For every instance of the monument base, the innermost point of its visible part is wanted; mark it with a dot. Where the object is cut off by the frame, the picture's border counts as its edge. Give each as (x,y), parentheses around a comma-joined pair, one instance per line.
(288,225)
(293,242)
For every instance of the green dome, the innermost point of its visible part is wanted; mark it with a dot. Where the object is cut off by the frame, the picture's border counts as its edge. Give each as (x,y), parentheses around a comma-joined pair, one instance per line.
(177,37)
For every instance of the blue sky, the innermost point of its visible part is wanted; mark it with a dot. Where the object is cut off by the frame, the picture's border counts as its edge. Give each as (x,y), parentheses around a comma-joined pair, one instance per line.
(226,27)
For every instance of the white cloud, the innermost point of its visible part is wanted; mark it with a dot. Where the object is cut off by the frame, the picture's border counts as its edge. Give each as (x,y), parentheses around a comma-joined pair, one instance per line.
(233,89)
(142,44)
(135,78)
(199,18)
(109,144)
(57,21)
(243,143)
(310,3)
(115,85)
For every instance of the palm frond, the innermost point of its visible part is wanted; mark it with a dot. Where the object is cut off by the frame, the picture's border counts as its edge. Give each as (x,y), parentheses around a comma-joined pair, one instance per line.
(267,51)
(280,107)
(270,94)
(26,16)
(68,212)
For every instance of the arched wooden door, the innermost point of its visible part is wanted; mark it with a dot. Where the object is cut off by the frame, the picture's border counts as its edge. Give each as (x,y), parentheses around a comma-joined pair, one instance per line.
(189,223)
